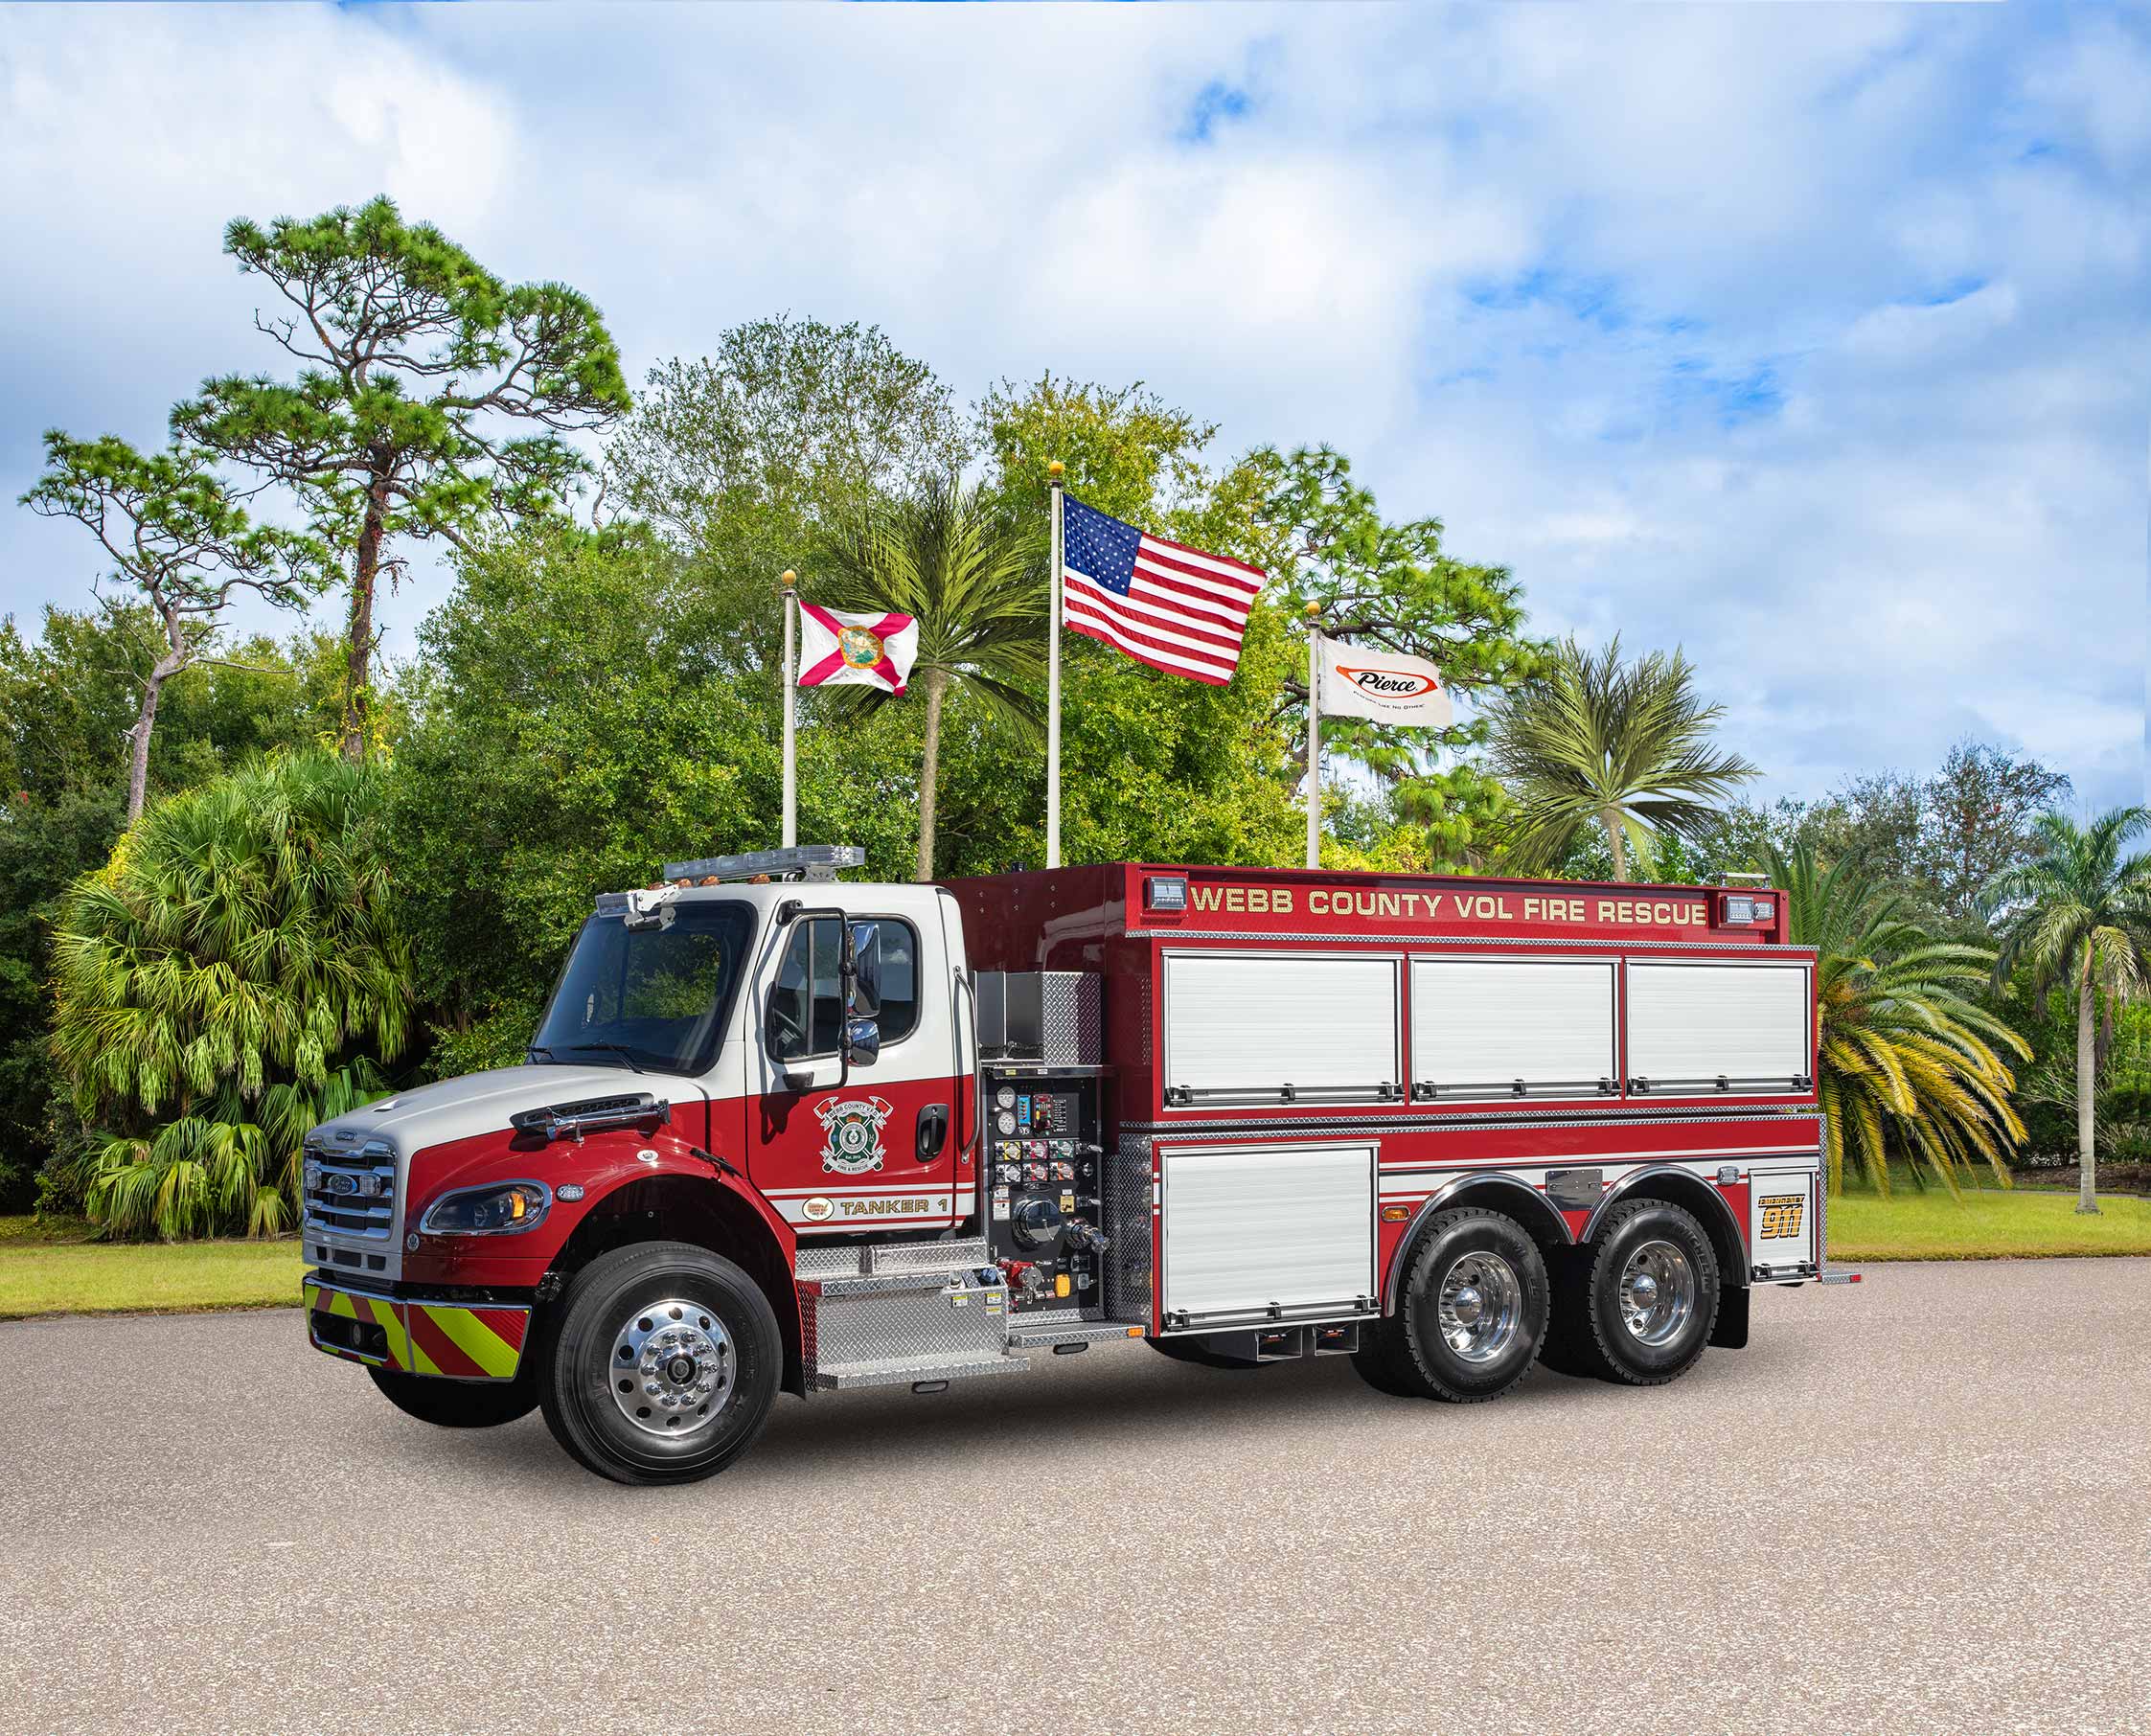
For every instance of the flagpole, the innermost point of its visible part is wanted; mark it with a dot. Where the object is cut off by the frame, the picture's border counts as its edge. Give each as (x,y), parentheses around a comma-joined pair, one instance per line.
(1313,737)
(790,581)
(1053,684)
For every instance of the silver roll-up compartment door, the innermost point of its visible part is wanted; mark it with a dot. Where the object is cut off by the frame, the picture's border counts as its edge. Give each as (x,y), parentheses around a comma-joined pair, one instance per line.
(1504,1027)
(1268,1231)
(1739,1025)
(1281,1027)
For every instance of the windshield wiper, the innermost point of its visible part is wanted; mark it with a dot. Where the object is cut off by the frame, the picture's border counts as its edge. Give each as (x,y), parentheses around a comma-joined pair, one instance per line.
(620,1049)
(537,1049)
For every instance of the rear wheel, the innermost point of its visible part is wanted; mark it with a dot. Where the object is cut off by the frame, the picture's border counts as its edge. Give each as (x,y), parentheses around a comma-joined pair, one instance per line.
(1645,1296)
(665,1365)
(1471,1311)
(457,1403)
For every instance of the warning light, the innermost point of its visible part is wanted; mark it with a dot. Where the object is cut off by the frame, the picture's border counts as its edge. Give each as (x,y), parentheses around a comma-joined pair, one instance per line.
(1061,1285)
(1165,892)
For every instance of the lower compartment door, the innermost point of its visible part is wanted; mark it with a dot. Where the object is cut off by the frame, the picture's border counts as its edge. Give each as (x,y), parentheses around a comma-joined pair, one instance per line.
(1267,1231)
(1781,1226)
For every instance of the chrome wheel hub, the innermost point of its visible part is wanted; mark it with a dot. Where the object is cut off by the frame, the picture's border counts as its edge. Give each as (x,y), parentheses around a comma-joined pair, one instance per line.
(671,1370)
(1481,1307)
(1658,1293)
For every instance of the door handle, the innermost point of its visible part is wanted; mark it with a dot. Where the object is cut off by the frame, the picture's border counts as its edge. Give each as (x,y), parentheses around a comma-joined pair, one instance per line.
(934,1131)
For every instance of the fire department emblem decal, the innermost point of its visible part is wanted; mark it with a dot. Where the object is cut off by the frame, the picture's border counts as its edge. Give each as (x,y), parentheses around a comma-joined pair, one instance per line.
(854,1145)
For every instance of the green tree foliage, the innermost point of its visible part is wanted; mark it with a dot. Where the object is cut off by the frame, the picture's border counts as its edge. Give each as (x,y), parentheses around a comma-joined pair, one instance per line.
(1939,839)
(233,974)
(67,702)
(1152,766)
(1622,746)
(749,459)
(1910,1061)
(977,587)
(1392,586)
(417,367)
(574,726)
(180,543)
(2078,919)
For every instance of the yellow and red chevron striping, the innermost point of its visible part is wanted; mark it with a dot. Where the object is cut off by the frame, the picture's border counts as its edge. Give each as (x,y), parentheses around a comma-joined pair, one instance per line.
(428,1337)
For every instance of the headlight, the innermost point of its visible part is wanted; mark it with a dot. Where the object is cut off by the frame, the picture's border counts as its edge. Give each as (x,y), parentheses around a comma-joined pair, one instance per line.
(505,1209)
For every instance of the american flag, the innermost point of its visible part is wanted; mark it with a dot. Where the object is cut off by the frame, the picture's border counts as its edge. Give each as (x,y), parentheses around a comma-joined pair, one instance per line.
(1164,603)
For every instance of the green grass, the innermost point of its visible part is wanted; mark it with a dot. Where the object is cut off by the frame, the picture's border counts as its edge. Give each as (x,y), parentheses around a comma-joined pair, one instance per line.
(48,1267)
(1986,1223)
(47,1270)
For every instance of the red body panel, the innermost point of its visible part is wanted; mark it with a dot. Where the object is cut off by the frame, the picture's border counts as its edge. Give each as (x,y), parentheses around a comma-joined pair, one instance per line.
(599,1164)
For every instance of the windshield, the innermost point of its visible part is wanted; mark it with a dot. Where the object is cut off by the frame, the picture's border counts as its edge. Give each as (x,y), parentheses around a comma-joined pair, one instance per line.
(654,999)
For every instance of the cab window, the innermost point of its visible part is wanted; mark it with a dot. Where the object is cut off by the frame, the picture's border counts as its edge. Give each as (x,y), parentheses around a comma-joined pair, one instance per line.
(807,1007)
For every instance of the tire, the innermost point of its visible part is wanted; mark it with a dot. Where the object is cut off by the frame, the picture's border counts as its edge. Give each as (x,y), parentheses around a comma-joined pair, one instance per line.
(1618,1331)
(457,1403)
(1471,1312)
(699,1339)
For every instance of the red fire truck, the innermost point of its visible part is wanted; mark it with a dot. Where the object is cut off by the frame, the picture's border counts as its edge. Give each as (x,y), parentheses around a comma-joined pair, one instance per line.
(779,1131)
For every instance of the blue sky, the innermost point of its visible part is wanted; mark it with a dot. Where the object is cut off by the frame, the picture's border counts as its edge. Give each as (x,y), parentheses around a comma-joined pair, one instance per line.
(1813,340)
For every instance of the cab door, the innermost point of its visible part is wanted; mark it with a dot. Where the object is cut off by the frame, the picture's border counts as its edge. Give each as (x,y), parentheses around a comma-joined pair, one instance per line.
(870,1148)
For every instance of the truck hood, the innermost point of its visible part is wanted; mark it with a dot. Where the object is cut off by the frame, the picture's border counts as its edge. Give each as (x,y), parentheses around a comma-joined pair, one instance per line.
(481,1102)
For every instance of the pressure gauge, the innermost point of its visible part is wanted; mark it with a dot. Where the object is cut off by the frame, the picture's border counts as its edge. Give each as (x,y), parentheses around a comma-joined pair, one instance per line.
(1006,1121)
(1005,1097)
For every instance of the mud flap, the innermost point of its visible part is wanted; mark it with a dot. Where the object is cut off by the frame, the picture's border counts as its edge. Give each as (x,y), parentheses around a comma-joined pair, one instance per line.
(1730,1333)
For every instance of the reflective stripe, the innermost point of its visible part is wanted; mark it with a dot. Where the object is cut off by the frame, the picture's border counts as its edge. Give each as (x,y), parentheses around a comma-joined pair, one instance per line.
(429,1338)
(391,1323)
(471,1335)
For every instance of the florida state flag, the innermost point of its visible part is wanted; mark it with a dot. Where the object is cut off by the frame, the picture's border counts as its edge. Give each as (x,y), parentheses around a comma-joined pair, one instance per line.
(838,648)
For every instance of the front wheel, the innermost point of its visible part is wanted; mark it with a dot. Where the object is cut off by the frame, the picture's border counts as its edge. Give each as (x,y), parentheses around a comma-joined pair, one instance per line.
(457,1403)
(665,1365)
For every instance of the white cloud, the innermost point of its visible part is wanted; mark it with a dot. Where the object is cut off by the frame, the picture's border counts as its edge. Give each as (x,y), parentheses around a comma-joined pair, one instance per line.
(1812,341)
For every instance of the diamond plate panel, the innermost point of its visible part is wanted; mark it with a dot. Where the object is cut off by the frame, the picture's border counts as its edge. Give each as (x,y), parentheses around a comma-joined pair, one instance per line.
(1072,1025)
(1127,1201)
(870,1322)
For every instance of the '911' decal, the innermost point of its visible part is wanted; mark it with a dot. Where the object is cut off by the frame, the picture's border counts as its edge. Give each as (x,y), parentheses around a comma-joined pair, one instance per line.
(1781,1215)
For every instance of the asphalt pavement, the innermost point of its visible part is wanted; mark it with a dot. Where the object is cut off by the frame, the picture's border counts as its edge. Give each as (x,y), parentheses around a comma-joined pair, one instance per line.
(1921,1503)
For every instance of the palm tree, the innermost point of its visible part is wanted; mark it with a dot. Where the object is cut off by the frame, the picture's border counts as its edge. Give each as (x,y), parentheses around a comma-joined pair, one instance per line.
(1624,747)
(1906,1055)
(979,592)
(229,978)
(2079,915)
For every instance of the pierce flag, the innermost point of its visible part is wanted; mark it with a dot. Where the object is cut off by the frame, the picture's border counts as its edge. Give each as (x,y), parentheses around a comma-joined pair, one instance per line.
(1385,686)
(840,647)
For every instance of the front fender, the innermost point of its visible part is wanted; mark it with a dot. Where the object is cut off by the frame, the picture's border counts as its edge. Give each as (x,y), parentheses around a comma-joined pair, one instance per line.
(600,1165)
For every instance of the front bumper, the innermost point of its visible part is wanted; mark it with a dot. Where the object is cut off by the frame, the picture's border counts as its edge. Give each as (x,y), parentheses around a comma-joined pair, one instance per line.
(415,1334)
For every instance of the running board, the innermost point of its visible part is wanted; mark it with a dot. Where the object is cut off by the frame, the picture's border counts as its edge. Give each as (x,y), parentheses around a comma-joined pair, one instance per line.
(913,1371)
(1047,1333)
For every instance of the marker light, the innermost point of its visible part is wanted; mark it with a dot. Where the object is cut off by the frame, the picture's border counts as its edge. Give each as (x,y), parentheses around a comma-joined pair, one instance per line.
(505,1209)
(1165,892)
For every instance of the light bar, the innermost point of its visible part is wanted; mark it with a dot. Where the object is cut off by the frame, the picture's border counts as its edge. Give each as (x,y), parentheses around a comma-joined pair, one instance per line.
(807,861)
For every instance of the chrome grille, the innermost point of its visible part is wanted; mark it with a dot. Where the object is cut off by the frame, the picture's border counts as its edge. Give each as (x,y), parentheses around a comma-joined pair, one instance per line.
(351,1196)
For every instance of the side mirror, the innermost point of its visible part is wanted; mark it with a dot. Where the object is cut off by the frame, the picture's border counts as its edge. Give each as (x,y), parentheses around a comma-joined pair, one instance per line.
(862,1042)
(862,950)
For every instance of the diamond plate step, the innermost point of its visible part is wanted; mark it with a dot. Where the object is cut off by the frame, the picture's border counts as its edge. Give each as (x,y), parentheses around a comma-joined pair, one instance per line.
(813,1262)
(1044,1335)
(903,1371)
